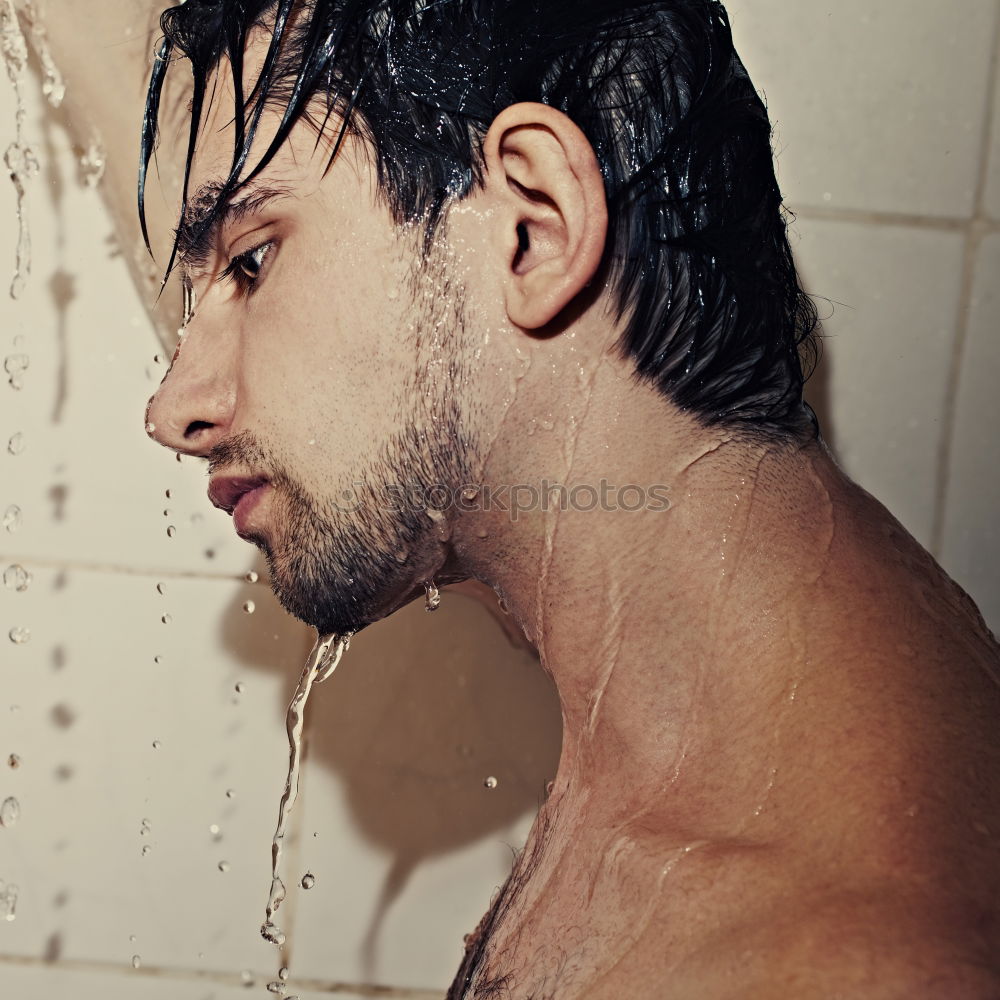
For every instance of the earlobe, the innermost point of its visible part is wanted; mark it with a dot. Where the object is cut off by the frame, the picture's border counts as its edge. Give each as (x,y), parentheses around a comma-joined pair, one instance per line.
(553,209)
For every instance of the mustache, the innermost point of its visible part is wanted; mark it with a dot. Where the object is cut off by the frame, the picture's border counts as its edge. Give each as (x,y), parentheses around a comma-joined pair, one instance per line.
(242,449)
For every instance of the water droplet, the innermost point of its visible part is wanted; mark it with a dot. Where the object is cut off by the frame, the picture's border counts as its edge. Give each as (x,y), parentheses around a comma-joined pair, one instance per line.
(283,973)
(239,687)
(161,588)
(308,880)
(470,493)
(171,531)
(249,607)
(157,659)
(8,900)
(19,635)
(246,977)
(491,782)
(216,831)
(15,446)
(251,577)
(136,961)
(12,519)
(167,494)
(546,425)
(13,761)
(167,512)
(10,812)
(432,596)
(150,427)
(166,619)
(145,828)
(16,577)
(270,931)
(157,359)
(230,793)
(276,987)
(15,365)
(145,850)
(157,744)
(131,939)
(224,866)
(481,533)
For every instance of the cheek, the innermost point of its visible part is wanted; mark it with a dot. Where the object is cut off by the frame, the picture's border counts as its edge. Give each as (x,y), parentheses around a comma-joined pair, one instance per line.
(327,356)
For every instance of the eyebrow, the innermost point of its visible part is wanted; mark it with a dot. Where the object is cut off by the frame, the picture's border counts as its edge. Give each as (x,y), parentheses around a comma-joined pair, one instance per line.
(204,218)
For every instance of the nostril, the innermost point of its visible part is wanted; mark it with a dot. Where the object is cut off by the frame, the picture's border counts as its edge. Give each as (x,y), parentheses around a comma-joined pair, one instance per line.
(196,427)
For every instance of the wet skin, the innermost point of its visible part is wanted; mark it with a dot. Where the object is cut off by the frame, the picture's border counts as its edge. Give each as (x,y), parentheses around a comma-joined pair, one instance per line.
(779,768)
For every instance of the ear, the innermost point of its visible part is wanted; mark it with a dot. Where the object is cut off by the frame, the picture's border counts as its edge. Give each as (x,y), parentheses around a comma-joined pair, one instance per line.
(553,213)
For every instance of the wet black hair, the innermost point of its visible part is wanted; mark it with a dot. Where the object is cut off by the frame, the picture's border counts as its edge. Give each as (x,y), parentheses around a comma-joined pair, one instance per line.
(697,253)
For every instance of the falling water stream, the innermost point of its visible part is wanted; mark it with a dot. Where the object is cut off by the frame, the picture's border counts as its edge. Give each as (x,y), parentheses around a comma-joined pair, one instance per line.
(20,160)
(322,662)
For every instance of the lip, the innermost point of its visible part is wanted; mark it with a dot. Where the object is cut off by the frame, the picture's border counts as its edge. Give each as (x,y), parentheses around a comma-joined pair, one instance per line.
(237,495)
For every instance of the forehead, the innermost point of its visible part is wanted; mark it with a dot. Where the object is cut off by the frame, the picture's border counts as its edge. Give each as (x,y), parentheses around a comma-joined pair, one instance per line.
(301,158)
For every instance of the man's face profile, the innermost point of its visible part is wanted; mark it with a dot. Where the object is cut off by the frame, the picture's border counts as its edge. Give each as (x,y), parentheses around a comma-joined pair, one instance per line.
(322,368)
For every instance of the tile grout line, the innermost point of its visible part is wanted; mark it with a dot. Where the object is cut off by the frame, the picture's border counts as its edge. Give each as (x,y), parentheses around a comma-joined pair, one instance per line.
(862,216)
(97,567)
(332,987)
(976,231)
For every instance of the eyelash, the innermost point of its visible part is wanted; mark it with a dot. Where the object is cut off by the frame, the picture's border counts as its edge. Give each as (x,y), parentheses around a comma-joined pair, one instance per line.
(254,257)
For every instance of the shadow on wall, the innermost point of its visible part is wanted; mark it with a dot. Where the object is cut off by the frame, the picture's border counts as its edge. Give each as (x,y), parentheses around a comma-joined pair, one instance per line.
(423,708)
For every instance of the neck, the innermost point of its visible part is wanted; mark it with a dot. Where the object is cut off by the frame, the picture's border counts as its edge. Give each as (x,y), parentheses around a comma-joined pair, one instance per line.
(678,639)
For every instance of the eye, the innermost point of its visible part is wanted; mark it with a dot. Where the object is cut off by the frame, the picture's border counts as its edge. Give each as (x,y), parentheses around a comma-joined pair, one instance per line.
(245,268)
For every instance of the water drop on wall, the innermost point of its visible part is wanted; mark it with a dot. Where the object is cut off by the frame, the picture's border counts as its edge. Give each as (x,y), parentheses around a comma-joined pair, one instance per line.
(224,866)
(93,163)
(12,519)
(10,812)
(8,900)
(16,577)
(15,446)
(308,880)
(15,365)
(19,635)
(136,961)
(249,607)
(491,782)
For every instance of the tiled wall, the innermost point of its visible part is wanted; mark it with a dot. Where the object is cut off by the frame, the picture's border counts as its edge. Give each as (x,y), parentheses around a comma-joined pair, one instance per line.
(148,784)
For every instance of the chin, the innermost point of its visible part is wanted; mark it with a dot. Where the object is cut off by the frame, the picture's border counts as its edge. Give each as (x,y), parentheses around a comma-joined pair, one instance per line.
(338,602)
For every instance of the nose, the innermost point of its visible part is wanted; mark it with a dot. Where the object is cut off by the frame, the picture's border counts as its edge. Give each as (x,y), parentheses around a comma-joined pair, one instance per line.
(192,410)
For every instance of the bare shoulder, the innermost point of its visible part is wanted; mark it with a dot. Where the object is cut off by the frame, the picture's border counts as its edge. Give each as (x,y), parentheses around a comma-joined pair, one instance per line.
(846,947)
(866,948)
